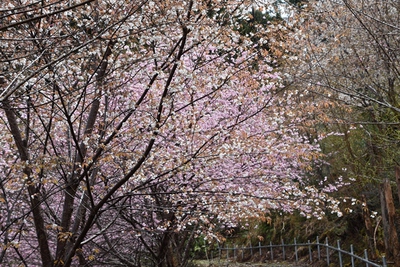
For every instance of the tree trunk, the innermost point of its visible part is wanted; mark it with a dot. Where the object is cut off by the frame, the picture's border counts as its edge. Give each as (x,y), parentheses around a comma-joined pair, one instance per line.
(163,251)
(392,245)
(368,227)
(34,193)
(385,224)
(397,170)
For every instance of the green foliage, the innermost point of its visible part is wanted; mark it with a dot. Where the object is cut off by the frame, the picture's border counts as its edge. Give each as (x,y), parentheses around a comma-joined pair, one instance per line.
(349,229)
(297,2)
(203,249)
(199,247)
(249,24)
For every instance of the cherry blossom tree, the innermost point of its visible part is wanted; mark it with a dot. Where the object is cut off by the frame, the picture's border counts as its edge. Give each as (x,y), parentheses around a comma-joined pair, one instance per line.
(130,128)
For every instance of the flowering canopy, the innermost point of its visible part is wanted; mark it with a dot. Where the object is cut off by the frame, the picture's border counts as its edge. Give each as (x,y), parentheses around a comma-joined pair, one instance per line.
(124,122)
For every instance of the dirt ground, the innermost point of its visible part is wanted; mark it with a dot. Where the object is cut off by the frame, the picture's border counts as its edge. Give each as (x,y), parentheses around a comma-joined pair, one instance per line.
(215,263)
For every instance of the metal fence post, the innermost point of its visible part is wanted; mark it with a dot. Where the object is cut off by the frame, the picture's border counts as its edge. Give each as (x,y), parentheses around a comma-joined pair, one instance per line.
(327,251)
(309,250)
(384,264)
(366,257)
(295,250)
(259,246)
(234,252)
(352,253)
(219,254)
(340,254)
(272,251)
(318,249)
(283,250)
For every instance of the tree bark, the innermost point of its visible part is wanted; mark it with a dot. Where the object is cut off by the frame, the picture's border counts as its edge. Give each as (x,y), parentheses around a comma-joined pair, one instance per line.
(397,171)
(369,227)
(385,223)
(34,193)
(393,246)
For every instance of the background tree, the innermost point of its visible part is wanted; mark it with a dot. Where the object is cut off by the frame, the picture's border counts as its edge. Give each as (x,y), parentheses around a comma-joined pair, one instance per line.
(349,50)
